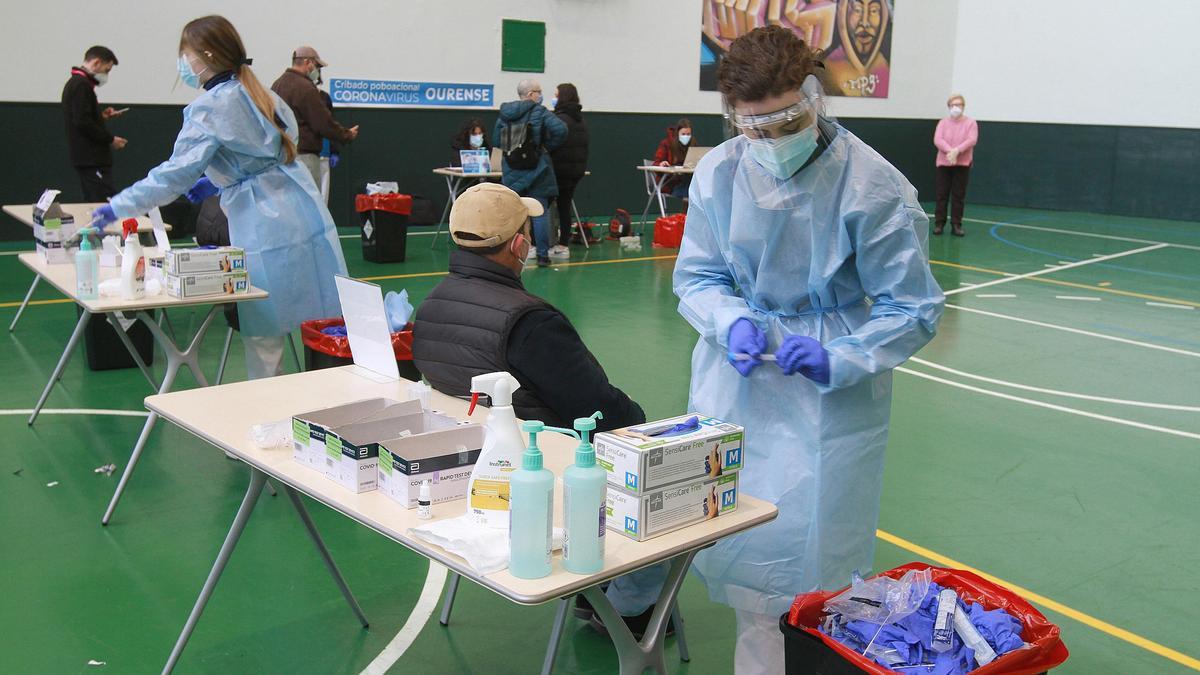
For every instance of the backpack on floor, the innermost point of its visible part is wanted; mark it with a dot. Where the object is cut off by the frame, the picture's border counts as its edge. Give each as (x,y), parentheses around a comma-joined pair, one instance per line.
(621,225)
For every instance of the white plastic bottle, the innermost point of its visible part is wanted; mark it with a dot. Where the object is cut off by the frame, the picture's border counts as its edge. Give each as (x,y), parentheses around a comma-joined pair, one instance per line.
(488,493)
(133,263)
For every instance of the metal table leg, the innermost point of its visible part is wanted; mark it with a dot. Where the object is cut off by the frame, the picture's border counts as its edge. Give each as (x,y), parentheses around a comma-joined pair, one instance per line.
(24,303)
(448,603)
(635,657)
(115,322)
(62,363)
(333,568)
(579,226)
(560,623)
(291,344)
(257,480)
(659,178)
(224,355)
(175,360)
(452,185)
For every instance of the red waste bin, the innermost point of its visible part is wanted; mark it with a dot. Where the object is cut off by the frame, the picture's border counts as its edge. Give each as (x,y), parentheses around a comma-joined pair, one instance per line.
(668,231)
(384,222)
(808,650)
(331,351)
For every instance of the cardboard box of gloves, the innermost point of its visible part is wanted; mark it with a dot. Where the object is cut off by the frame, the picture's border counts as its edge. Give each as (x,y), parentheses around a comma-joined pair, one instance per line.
(189,273)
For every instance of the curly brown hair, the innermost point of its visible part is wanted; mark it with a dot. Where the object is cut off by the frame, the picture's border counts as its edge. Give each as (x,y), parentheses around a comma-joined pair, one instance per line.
(765,62)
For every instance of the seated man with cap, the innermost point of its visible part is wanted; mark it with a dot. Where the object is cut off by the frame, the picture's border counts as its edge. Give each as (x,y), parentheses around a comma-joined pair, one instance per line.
(480,319)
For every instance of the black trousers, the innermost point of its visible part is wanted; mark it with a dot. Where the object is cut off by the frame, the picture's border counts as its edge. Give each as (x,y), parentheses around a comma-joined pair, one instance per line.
(97,183)
(951,187)
(566,193)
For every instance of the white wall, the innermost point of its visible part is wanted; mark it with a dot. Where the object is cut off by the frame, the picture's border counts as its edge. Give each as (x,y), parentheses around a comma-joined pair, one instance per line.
(625,55)
(1080,61)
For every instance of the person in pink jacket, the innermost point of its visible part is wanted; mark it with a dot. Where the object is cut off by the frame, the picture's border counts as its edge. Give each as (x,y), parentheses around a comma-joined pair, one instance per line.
(955,139)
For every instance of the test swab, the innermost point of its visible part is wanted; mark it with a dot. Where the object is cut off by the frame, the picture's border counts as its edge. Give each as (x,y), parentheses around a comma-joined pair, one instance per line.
(747,357)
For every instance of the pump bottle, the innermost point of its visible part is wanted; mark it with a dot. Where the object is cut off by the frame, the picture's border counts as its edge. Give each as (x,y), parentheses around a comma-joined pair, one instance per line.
(530,537)
(87,267)
(585,491)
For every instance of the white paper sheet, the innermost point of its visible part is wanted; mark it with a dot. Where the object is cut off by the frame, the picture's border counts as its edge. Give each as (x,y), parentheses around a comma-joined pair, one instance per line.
(160,231)
(367,327)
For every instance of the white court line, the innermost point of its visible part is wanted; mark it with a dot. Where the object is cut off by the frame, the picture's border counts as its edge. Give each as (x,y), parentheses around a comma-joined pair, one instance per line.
(434,580)
(1081,263)
(1167,304)
(1051,406)
(80,411)
(1078,233)
(1077,331)
(1084,298)
(411,234)
(996,295)
(1056,392)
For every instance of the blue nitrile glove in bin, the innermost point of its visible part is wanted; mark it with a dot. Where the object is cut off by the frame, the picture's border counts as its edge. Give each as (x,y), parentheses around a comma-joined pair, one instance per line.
(746,338)
(201,190)
(398,310)
(335,331)
(804,355)
(103,216)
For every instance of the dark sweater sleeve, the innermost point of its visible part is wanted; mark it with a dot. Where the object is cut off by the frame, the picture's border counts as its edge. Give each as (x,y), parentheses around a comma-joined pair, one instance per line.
(82,110)
(546,351)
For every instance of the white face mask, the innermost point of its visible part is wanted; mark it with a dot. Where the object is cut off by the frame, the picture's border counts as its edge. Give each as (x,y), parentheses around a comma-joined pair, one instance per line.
(956,111)
(685,138)
(476,140)
(101,78)
(314,75)
(783,157)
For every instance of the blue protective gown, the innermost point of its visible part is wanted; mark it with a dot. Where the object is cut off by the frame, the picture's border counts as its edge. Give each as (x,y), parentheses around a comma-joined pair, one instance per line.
(838,253)
(275,211)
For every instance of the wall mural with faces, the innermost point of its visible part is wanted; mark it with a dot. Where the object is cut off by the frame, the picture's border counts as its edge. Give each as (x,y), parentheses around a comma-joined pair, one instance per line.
(854,38)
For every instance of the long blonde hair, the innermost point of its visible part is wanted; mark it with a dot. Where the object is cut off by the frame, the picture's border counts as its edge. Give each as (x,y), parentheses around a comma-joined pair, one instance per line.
(217,42)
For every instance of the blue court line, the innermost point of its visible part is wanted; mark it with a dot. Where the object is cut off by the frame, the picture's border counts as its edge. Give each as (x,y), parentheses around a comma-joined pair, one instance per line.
(1060,256)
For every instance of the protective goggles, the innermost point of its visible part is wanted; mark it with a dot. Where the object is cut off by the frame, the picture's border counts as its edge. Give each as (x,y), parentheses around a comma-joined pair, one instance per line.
(785,122)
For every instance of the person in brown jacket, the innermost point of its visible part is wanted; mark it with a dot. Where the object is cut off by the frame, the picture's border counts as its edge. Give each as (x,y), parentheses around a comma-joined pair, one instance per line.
(298,88)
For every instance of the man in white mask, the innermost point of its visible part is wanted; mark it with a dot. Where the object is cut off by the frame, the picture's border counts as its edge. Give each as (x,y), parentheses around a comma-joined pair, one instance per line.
(297,86)
(802,242)
(89,142)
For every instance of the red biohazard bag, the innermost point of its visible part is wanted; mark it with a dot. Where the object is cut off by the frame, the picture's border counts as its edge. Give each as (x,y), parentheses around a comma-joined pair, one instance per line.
(339,345)
(621,225)
(1044,647)
(668,231)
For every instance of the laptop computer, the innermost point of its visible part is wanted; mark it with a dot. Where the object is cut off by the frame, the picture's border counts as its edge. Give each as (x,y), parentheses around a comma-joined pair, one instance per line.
(693,156)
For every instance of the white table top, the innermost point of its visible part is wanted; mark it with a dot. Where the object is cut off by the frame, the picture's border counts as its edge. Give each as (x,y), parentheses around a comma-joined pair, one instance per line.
(62,277)
(667,169)
(82,214)
(457,172)
(223,415)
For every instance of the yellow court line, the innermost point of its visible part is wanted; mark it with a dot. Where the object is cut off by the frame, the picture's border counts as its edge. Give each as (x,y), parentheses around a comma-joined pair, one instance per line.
(574,264)
(1057,282)
(1091,621)
(57,301)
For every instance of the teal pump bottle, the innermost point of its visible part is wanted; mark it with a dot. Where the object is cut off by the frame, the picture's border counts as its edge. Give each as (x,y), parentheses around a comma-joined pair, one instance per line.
(585,491)
(531,513)
(87,267)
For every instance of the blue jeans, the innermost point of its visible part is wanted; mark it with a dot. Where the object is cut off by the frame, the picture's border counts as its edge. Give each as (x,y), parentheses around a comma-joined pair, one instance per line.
(635,592)
(541,229)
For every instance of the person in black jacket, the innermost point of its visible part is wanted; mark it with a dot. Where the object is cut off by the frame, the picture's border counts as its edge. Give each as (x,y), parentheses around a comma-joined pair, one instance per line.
(480,319)
(570,161)
(89,143)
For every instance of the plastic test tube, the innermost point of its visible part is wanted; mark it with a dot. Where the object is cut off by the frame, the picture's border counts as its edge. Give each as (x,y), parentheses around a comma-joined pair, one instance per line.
(984,654)
(943,625)
(747,357)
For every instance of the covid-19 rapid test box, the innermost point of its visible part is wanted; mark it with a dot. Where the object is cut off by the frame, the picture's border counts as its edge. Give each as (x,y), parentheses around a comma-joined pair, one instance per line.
(658,512)
(309,429)
(55,231)
(645,457)
(444,458)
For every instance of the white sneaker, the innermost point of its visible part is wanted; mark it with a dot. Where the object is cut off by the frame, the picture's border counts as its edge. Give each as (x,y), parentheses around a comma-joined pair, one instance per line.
(560,252)
(532,253)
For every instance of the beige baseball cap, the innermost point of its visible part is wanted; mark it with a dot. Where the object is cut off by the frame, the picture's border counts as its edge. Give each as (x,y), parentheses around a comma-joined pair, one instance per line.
(492,213)
(307,52)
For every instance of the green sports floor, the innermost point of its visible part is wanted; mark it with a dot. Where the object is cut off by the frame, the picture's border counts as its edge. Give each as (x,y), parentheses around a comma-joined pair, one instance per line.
(1049,436)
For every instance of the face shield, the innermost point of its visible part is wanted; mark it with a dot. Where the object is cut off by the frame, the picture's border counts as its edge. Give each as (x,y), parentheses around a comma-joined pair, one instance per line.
(783,138)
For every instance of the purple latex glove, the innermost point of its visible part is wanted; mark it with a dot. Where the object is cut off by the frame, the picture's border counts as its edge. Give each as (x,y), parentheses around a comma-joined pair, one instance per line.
(334,159)
(103,216)
(201,190)
(804,355)
(746,338)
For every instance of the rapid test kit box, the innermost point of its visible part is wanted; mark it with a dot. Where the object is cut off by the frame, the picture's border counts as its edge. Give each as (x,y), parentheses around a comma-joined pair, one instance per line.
(648,456)
(444,458)
(211,283)
(216,259)
(654,513)
(54,230)
(309,429)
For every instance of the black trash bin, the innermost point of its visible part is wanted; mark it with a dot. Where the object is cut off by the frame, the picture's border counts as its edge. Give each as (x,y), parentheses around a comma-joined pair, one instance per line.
(384,222)
(103,346)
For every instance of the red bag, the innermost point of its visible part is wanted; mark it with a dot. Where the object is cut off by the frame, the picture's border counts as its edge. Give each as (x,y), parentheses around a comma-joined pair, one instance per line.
(1044,650)
(392,203)
(339,345)
(668,231)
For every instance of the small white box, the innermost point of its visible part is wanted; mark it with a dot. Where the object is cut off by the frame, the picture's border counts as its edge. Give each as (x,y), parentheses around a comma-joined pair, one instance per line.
(309,429)
(216,283)
(444,458)
(54,233)
(638,460)
(642,517)
(204,260)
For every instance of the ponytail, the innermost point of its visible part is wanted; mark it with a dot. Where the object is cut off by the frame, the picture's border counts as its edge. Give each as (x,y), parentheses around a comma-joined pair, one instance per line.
(266,105)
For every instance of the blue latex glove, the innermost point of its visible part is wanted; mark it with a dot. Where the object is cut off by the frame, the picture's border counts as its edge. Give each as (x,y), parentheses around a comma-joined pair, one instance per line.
(398,309)
(203,189)
(746,338)
(336,331)
(687,427)
(103,216)
(334,159)
(804,355)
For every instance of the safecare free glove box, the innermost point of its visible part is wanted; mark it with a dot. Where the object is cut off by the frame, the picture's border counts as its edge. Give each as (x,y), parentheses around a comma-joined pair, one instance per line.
(639,460)
(648,515)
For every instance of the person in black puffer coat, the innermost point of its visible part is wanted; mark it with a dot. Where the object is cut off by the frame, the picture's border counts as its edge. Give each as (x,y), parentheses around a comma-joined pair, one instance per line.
(570,159)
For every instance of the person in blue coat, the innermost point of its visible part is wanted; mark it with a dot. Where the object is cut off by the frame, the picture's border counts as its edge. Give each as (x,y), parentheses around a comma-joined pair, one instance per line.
(801,241)
(239,139)
(543,132)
